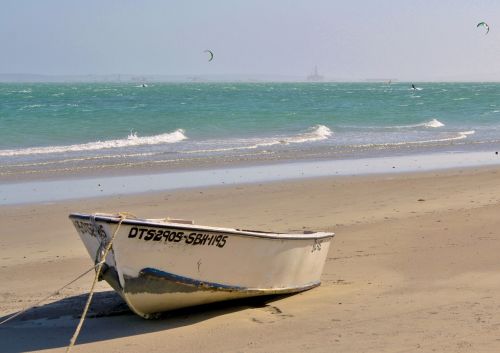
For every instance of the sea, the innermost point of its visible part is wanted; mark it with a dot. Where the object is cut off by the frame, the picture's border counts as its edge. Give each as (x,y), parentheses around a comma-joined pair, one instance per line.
(72,127)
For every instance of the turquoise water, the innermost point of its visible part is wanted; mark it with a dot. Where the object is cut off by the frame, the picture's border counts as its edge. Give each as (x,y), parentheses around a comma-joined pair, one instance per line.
(65,126)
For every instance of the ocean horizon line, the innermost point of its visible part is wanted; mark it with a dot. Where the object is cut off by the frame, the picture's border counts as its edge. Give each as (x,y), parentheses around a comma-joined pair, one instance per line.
(221,78)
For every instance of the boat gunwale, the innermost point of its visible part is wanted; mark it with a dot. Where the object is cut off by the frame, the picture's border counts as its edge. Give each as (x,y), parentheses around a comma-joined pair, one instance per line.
(111,219)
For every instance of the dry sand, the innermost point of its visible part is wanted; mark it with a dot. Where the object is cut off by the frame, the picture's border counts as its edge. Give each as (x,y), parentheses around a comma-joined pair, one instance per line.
(414,267)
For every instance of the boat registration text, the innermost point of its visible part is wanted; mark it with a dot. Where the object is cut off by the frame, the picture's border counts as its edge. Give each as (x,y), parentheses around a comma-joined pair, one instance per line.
(166,235)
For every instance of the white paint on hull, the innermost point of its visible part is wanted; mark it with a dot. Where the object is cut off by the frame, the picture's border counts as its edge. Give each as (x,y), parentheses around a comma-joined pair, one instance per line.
(163,266)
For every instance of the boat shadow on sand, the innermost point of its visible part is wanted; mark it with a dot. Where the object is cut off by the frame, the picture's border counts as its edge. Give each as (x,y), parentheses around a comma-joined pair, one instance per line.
(52,325)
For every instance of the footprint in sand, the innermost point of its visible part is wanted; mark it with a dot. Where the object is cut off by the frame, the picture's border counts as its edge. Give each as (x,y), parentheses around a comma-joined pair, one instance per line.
(263,316)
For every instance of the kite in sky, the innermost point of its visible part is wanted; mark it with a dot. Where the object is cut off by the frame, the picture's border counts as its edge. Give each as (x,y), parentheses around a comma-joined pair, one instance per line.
(209,53)
(485,25)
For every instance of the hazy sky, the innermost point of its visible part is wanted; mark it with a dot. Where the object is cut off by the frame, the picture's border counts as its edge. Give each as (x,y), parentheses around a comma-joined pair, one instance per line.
(355,39)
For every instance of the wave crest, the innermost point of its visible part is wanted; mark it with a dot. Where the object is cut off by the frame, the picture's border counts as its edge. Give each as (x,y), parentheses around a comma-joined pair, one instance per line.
(433,123)
(314,133)
(131,140)
(460,135)
(464,134)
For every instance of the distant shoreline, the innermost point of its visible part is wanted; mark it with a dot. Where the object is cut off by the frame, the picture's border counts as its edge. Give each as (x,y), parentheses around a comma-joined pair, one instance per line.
(231,78)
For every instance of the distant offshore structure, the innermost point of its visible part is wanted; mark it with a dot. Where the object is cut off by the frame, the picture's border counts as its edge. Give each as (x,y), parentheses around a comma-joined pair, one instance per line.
(315,77)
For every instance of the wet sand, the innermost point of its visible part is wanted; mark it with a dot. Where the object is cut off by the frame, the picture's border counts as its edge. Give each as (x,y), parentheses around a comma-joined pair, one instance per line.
(413,267)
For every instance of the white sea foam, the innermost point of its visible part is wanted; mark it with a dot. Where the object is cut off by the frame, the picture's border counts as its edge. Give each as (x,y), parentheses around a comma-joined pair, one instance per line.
(314,133)
(434,123)
(464,134)
(82,159)
(457,136)
(22,91)
(31,106)
(131,140)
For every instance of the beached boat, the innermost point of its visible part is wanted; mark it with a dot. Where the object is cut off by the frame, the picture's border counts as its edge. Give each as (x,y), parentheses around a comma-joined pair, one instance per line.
(158,265)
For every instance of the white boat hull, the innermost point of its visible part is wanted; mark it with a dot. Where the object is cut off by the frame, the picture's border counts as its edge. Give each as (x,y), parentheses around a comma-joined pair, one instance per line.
(158,266)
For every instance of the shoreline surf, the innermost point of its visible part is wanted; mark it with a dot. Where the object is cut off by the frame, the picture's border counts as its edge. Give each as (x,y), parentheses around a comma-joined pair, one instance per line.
(147,181)
(72,132)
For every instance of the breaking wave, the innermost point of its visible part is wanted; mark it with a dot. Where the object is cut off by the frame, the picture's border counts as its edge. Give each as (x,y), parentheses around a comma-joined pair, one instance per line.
(457,136)
(434,123)
(131,140)
(314,133)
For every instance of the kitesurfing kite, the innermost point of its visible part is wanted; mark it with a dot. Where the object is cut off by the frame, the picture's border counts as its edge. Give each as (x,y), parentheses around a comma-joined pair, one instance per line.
(485,25)
(209,53)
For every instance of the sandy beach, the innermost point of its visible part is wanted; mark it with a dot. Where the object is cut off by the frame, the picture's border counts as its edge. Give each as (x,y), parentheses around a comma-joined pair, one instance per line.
(282,121)
(413,267)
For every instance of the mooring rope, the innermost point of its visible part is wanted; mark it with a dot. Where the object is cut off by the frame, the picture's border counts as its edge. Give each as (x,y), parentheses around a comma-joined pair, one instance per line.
(122,216)
(97,267)
(48,296)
